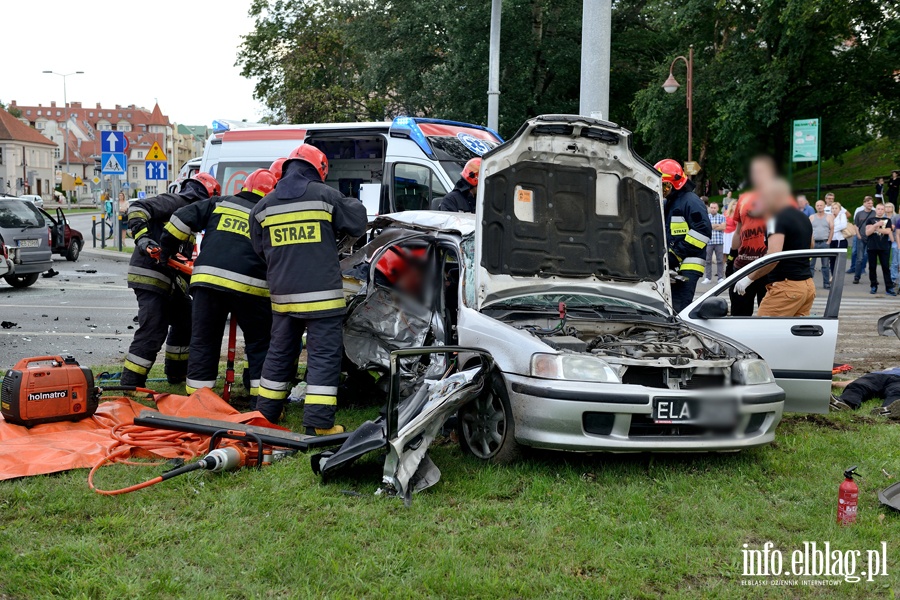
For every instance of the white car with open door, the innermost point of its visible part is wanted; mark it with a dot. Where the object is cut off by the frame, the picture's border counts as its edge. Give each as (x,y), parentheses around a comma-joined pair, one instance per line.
(564,282)
(799,350)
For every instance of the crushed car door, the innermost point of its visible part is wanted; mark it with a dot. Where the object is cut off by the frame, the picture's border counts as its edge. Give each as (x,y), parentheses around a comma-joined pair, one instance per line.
(62,224)
(799,350)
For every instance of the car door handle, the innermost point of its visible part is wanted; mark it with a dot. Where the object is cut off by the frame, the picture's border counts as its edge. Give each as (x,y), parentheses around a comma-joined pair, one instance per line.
(807,330)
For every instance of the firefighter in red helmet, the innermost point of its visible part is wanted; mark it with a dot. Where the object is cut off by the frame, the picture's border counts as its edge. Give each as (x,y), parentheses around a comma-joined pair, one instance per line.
(462,198)
(229,278)
(276,168)
(687,232)
(295,231)
(164,309)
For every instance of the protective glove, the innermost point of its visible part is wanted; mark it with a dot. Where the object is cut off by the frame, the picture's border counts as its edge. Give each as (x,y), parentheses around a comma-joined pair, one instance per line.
(146,245)
(740,288)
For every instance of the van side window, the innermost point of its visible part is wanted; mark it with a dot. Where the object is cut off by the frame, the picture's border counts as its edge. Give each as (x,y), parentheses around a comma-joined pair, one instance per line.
(415,187)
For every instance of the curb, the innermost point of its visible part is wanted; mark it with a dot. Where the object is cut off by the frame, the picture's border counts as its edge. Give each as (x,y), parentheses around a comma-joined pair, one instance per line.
(108,254)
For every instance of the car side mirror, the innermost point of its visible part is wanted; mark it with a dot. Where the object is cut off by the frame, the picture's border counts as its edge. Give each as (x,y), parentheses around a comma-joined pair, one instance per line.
(712,308)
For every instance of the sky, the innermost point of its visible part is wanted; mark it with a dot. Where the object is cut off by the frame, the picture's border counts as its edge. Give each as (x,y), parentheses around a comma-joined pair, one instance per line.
(132,52)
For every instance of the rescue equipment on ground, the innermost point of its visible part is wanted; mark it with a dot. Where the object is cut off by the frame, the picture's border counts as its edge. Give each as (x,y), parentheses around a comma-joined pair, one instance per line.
(848,498)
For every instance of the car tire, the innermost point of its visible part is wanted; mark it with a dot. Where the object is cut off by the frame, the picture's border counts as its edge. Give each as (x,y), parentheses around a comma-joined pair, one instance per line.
(73,251)
(485,426)
(21,281)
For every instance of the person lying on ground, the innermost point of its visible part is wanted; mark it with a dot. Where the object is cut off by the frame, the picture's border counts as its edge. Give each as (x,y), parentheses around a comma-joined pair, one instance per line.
(879,384)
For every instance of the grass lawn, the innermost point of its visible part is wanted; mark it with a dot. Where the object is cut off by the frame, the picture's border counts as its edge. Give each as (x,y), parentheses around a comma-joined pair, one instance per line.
(550,526)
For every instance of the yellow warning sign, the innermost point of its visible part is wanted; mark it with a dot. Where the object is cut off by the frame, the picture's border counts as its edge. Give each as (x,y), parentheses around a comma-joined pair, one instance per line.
(155,153)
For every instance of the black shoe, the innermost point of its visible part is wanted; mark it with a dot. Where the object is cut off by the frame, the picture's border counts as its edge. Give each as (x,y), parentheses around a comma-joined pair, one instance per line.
(855,280)
(837,404)
(874,289)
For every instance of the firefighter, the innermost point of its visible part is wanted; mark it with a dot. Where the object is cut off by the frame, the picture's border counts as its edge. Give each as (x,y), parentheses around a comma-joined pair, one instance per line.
(462,198)
(687,231)
(295,230)
(276,168)
(164,308)
(228,278)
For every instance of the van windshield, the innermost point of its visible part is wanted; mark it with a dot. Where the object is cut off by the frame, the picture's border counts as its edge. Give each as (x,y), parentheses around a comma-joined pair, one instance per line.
(232,175)
(19,214)
(453,154)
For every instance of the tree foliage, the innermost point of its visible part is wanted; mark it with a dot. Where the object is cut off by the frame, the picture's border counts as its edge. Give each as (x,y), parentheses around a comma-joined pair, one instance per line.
(758,64)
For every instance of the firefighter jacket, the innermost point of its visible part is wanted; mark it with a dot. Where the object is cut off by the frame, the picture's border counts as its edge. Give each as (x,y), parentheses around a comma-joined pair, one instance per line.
(687,229)
(227,260)
(460,199)
(147,218)
(295,230)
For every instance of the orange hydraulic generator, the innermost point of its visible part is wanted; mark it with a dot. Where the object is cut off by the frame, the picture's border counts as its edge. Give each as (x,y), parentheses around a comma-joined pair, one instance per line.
(44,389)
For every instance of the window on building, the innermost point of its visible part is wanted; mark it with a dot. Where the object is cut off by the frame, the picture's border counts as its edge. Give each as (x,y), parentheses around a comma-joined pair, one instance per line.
(39,113)
(120,115)
(39,125)
(59,113)
(1,156)
(90,114)
(27,112)
(151,190)
(57,153)
(109,114)
(134,172)
(140,155)
(129,115)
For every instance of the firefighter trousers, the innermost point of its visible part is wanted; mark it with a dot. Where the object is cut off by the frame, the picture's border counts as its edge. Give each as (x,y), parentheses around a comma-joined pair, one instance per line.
(162,318)
(210,311)
(324,351)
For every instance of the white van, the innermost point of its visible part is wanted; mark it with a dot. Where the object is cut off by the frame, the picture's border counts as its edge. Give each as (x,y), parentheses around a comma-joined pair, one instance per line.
(407,164)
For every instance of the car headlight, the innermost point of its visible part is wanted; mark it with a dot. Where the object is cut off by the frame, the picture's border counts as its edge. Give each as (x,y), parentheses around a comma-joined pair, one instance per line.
(752,372)
(572,367)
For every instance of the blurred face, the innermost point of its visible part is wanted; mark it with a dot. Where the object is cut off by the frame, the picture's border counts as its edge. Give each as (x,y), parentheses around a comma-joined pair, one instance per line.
(820,207)
(879,211)
(836,209)
(667,189)
(889,209)
(867,203)
(713,208)
(802,201)
(761,172)
(881,180)
(776,195)
(121,195)
(829,199)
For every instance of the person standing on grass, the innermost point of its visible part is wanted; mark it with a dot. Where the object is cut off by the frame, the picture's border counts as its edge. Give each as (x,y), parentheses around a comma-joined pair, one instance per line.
(893,187)
(879,189)
(790,291)
(716,244)
(841,218)
(803,205)
(823,233)
(862,216)
(880,232)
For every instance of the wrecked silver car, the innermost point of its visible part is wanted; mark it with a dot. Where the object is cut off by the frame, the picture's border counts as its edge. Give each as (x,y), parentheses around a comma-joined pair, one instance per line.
(564,283)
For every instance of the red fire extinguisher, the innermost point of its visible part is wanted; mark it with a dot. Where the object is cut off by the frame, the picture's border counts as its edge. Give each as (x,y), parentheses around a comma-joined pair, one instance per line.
(848,498)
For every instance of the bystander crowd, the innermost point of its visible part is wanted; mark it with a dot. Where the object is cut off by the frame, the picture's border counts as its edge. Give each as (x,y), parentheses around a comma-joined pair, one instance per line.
(822,232)
(879,234)
(716,244)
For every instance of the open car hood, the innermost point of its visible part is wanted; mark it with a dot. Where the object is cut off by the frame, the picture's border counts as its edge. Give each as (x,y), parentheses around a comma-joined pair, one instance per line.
(567,203)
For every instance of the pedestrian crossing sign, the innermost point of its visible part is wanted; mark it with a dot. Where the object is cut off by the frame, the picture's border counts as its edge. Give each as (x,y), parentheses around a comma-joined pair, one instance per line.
(155,153)
(113,163)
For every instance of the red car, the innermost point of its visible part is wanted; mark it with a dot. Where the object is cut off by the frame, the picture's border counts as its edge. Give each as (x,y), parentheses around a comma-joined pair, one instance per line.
(64,240)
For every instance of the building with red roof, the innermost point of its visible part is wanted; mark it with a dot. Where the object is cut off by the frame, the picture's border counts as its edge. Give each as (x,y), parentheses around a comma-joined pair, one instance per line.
(26,159)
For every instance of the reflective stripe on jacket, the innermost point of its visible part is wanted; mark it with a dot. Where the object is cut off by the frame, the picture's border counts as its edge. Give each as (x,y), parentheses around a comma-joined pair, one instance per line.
(149,217)
(687,229)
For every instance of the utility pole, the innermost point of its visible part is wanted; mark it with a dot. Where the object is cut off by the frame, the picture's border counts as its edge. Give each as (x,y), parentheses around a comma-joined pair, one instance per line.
(66,113)
(493,120)
(596,37)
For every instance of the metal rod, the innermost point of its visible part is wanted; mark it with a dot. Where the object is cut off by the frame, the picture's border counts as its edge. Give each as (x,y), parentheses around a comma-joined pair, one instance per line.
(494,67)
(690,102)
(819,157)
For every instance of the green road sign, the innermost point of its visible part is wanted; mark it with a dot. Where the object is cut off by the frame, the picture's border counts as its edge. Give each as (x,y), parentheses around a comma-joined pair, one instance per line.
(805,141)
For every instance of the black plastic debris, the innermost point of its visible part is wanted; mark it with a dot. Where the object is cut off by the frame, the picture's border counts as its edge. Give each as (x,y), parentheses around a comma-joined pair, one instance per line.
(85,270)
(50,273)
(87,318)
(130,327)
(56,319)
(8,324)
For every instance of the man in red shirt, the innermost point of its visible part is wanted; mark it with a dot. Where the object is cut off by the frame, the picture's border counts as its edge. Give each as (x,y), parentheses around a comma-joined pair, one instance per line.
(749,241)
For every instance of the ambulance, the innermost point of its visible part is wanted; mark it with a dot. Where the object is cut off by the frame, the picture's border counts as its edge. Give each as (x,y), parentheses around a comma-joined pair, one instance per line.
(409,163)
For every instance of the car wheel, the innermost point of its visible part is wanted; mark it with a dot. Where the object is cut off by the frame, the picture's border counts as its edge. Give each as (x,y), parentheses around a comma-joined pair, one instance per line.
(74,251)
(21,281)
(485,426)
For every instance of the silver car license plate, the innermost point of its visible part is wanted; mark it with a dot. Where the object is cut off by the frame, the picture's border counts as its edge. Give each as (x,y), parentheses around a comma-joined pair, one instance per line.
(29,243)
(705,411)
(672,410)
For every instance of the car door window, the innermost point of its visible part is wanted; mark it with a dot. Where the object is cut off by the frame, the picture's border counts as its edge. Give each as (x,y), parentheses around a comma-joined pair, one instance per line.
(415,187)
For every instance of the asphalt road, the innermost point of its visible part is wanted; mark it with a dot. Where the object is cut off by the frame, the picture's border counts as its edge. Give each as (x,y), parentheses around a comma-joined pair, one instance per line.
(87,311)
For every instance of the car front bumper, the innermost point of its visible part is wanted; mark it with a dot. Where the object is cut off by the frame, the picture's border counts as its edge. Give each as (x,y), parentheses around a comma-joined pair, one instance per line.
(598,417)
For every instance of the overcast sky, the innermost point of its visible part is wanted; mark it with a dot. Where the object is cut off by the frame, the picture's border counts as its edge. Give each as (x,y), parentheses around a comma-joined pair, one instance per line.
(132,52)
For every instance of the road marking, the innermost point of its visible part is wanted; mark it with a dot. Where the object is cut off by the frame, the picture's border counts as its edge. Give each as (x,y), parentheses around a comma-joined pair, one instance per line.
(93,336)
(67,306)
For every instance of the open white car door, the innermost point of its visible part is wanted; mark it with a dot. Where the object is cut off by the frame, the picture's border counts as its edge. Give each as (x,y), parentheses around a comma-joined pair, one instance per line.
(799,350)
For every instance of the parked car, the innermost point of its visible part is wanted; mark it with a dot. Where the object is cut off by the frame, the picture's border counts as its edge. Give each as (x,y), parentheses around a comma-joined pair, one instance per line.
(565,283)
(5,263)
(27,238)
(64,240)
(34,199)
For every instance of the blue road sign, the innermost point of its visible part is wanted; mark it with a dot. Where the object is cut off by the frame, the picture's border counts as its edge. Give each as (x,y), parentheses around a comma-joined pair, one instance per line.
(142,195)
(113,163)
(125,185)
(112,141)
(156,170)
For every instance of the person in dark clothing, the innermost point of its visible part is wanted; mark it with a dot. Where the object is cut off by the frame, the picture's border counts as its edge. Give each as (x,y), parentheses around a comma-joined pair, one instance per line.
(880,384)
(228,278)
(164,309)
(893,187)
(862,238)
(879,232)
(687,232)
(295,230)
(462,198)
(790,291)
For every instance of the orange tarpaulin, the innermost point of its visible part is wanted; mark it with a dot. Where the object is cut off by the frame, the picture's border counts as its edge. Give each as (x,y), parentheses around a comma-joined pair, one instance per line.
(54,447)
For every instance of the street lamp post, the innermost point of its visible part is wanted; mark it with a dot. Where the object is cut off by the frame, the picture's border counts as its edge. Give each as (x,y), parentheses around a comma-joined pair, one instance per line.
(671,86)
(66,109)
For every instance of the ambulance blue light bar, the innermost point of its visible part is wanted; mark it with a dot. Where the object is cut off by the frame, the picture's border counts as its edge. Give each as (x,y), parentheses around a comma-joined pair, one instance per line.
(409,127)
